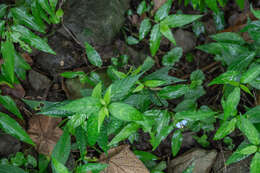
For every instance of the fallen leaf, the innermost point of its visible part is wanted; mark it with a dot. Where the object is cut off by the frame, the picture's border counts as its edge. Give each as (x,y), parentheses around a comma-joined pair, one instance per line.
(44,132)
(18,90)
(27,58)
(122,160)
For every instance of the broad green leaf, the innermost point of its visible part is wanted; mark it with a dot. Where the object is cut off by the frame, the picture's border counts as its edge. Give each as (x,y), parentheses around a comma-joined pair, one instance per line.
(251,74)
(248,150)
(211,48)
(121,88)
(237,156)
(145,28)
(97,91)
(46,6)
(253,114)
(255,163)
(125,112)
(10,169)
(103,138)
(92,129)
(153,83)
(195,115)
(141,8)
(249,130)
(241,4)
(87,105)
(231,103)
(242,62)
(91,167)
(172,56)
(155,39)
(26,19)
(75,121)
(2,27)
(81,140)
(102,114)
(11,127)
(178,20)
(145,156)
(62,149)
(166,130)
(148,64)
(173,92)
(53,4)
(10,105)
(107,96)
(228,37)
(3,8)
(20,66)
(125,133)
(132,40)
(256,83)
(212,4)
(163,11)
(225,78)
(176,142)
(59,167)
(93,56)
(225,129)
(8,53)
(32,39)
(167,32)
(255,12)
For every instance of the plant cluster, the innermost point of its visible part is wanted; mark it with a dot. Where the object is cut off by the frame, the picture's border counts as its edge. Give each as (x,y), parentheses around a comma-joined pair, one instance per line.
(138,98)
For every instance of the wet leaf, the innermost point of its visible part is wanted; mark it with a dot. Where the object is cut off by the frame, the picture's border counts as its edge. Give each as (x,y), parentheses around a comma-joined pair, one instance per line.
(10,168)
(92,129)
(145,156)
(255,164)
(248,150)
(167,32)
(230,106)
(251,74)
(132,40)
(228,37)
(8,52)
(225,129)
(59,167)
(3,8)
(45,132)
(225,78)
(93,56)
(163,11)
(213,5)
(178,20)
(195,115)
(155,39)
(141,8)
(91,167)
(176,142)
(145,28)
(10,105)
(173,92)
(237,156)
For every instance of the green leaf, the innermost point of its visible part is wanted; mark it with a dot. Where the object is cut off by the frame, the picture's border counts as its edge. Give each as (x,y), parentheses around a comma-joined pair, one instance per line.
(225,129)
(11,127)
(10,168)
(251,74)
(97,91)
(198,28)
(178,20)
(225,78)
(72,74)
(92,129)
(141,8)
(172,56)
(212,4)
(62,149)
(3,8)
(53,4)
(59,167)
(20,66)
(195,115)
(176,142)
(125,133)
(255,12)
(46,6)
(166,32)
(231,103)
(153,83)
(148,64)
(93,56)
(228,37)
(10,105)
(219,20)
(107,96)
(101,117)
(255,164)
(132,40)
(253,114)
(145,28)
(8,53)
(155,39)
(32,39)
(249,130)
(145,156)
(163,11)
(241,62)
(125,112)
(26,19)
(173,92)
(241,4)
(248,150)
(2,27)
(91,167)
(87,105)
(81,140)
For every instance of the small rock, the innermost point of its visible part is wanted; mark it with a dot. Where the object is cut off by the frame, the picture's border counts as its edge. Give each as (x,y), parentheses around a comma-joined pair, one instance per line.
(38,81)
(203,159)
(8,145)
(239,167)
(233,19)
(185,39)
(188,141)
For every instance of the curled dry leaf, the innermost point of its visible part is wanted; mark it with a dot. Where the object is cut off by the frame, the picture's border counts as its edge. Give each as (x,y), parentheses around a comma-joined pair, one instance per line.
(122,160)
(17,92)
(44,132)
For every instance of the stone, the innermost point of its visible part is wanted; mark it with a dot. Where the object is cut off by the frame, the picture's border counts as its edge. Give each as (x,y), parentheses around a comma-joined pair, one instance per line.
(185,39)
(242,166)
(95,21)
(8,145)
(202,159)
(67,57)
(38,81)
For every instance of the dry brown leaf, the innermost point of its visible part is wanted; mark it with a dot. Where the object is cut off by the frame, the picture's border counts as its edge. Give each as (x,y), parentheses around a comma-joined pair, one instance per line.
(18,90)
(44,132)
(27,58)
(122,160)
(157,5)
